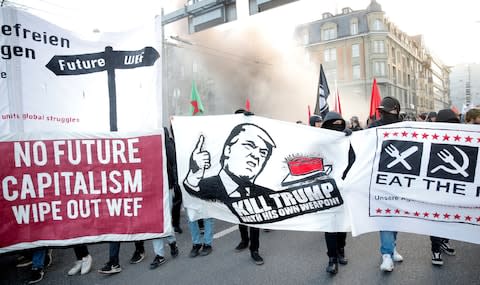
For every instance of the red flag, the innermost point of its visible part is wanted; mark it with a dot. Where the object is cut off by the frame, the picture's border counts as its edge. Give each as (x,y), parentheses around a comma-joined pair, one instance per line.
(247,105)
(338,106)
(375,101)
(309,114)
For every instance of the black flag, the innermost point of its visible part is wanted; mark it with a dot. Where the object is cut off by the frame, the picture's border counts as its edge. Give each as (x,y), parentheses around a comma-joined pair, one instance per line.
(321,106)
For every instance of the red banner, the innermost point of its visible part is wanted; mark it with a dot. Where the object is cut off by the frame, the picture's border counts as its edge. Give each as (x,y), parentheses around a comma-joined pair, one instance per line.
(81,190)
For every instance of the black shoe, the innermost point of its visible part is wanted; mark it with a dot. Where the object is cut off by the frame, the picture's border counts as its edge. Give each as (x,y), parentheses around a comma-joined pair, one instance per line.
(206,250)
(178,230)
(341,256)
(157,261)
(256,257)
(437,258)
(332,267)
(446,248)
(36,275)
(173,249)
(242,245)
(110,268)
(195,250)
(137,257)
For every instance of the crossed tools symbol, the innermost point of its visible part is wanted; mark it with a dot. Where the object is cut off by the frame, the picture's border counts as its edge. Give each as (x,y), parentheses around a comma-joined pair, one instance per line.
(444,155)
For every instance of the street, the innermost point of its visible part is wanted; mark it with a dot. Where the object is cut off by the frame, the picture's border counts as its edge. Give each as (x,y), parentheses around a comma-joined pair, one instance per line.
(290,258)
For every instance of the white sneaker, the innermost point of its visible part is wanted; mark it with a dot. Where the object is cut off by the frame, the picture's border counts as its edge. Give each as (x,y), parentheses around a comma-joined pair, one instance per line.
(396,256)
(86,264)
(387,263)
(76,268)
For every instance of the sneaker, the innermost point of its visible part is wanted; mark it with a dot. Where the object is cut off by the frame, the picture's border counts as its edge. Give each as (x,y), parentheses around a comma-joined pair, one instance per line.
(77,266)
(206,250)
(86,264)
(341,257)
(241,246)
(332,267)
(48,258)
(256,257)
(437,258)
(195,250)
(23,261)
(109,268)
(178,230)
(137,257)
(445,247)
(157,261)
(173,249)
(387,263)
(36,275)
(396,256)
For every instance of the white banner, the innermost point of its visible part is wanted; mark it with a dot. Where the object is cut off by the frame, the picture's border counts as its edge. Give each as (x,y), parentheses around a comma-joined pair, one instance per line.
(52,79)
(262,172)
(416,177)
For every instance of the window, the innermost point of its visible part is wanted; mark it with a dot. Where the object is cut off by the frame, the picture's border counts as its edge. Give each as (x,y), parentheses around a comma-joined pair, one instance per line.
(379,68)
(356,71)
(354,27)
(355,50)
(377,25)
(329,34)
(330,54)
(378,46)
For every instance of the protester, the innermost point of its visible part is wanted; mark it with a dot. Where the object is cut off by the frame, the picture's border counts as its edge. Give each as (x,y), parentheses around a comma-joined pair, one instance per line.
(316,121)
(389,113)
(113,264)
(173,180)
(335,240)
(473,116)
(201,248)
(355,124)
(431,117)
(438,244)
(41,258)
(84,260)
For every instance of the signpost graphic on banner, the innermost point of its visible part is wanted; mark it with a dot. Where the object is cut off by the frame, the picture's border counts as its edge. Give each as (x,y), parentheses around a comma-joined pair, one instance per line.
(108,60)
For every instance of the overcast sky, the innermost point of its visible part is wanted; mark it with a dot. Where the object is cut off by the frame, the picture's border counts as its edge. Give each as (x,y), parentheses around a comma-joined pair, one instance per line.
(451,29)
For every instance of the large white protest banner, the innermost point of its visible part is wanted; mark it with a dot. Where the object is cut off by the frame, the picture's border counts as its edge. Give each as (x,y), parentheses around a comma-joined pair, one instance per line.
(416,177)
(262,172)
(53,79)
(67,188)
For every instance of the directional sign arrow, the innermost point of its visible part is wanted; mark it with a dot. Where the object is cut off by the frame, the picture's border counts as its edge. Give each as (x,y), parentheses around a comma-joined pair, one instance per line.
(77,64)
(132,59)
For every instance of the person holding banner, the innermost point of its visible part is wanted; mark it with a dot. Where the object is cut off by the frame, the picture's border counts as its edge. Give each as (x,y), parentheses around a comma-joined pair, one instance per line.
(389,114)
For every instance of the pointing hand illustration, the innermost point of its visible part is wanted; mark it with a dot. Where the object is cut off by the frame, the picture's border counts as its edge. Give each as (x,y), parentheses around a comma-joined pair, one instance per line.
(199,162)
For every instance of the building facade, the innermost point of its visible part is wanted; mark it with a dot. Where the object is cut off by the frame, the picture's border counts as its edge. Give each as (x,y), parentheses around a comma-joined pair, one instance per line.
(355,47)
(465,85)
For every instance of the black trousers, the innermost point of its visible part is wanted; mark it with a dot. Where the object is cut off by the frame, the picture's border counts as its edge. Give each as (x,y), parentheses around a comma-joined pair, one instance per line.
(177,204)
(254,236)
(80,250)
(335,241)
(437,242)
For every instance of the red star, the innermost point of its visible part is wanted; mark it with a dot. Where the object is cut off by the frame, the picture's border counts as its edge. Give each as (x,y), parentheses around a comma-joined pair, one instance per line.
(388,211)
(457,217)
(424,135)
(436,215)
(404,134)
(446,137)
(385,134)
(414,135)
(379,211)
(468,139)
(457,138)
(478,140)
(434,136)
(426,214)
(478,219)
(468,218)
(397,211)
(446,216)
(417,214)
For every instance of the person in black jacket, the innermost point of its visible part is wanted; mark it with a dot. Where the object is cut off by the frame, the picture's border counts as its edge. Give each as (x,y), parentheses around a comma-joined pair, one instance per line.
(173,181)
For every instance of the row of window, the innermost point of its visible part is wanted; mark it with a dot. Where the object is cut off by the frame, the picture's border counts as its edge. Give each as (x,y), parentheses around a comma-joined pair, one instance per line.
(329,30)
(331,54)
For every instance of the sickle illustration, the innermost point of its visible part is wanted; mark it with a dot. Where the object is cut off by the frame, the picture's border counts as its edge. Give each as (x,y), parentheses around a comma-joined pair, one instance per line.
(456,167)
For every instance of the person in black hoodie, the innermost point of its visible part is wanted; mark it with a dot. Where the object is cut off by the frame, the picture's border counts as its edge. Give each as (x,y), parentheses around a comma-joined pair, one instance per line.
(335,241)
(389,114)
(439,244)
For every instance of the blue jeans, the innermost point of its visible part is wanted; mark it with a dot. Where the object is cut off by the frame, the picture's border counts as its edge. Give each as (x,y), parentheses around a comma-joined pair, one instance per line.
(195,231)
(388,241)
(158,244)
(38,258)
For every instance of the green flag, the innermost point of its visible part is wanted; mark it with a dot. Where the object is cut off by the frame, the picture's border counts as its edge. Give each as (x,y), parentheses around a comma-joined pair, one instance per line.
(195,101)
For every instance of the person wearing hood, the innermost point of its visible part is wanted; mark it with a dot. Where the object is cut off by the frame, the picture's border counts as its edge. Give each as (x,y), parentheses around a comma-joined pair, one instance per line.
(389,114)
(316,121)
(439,244)
(335,241)
(431,117)
(355,124)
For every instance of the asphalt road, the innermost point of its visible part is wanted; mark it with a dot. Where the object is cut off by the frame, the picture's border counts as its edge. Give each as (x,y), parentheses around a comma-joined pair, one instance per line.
(290,258)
